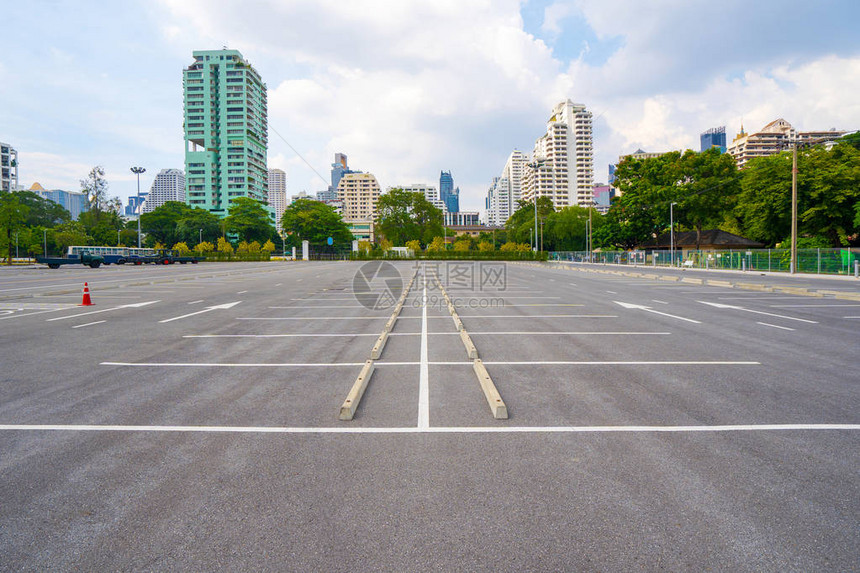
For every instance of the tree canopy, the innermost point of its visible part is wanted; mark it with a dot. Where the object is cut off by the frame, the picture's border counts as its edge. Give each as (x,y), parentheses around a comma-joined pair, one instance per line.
(315,222)
(404,216)
(175,222)
(249,219)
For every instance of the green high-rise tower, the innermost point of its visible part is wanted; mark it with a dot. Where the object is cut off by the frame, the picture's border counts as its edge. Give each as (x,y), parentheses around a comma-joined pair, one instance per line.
(226,131)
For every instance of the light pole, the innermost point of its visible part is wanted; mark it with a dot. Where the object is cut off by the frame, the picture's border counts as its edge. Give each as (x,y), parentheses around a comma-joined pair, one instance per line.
(200,239)
(672,233)
(534,166)
(793,265)
(137,171)
(16,244)
(117,237)
(45,239)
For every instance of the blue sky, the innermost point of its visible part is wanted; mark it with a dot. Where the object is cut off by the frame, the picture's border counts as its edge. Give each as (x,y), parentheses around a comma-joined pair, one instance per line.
(409,89)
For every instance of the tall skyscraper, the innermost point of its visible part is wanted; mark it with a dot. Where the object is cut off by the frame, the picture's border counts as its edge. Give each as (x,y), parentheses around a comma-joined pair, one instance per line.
(169,185)
(226,131)
(449,195)
(8,168)
(567,174)
(506,190)
(278,193)
(714,137)
(338,169)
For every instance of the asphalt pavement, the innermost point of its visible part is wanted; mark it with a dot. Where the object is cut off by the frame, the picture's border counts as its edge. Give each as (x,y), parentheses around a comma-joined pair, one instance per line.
(189,420)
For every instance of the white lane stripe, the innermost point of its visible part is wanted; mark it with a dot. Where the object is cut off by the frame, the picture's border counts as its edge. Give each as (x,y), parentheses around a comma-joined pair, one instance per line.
(471,333)
(196,301)
(774,326)
(30,313)
(659,301)
(851,317)
(424,369)
(810,305)
(333,335)
(436,363)
(132,305)
(561,333)
(434,430)
(242,292)
(89,324)
(611,292)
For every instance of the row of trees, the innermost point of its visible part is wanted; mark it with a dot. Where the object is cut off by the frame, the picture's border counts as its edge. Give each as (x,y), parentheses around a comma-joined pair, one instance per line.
(709,192)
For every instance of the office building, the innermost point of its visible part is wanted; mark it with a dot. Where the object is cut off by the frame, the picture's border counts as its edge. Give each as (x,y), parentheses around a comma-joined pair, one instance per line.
(566,175)
(8,168)
(462,218)
(169,185)
(776,136)
(359,193)
(226,127)
(611,174)
(603,195)
(135,203)
(73,202)
(714,137)
(449,195)
(278,194)
(339,168)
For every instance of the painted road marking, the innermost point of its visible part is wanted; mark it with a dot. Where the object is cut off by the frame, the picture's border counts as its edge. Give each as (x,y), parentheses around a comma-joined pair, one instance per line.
(424,369)
(196,301)
(611,292)
(733,307)
(811,305)
(435,363)
(89,324)
(132,305)
(432,430)
(207,309)
(659,301)
(775,326)
(242,292)
(648,309)
(37,305)
(485,332)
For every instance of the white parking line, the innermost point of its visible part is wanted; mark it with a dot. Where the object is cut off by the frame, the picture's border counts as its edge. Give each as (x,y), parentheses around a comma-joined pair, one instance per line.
(207,309)
(132,305)
(196,301)
(659,301)
(811,305)
(434,363)
(775,326)
(424,369)
(431,430)
(242,292)
(89,324)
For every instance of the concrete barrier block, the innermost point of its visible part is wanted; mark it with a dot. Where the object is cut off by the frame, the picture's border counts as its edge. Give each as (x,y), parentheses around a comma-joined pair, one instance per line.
(497,406)
(349,406)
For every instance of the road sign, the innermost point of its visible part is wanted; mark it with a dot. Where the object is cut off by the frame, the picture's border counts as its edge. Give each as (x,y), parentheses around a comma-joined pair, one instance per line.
(330,241)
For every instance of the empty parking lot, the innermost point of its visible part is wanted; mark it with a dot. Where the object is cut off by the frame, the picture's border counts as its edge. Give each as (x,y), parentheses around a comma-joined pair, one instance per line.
(190,419)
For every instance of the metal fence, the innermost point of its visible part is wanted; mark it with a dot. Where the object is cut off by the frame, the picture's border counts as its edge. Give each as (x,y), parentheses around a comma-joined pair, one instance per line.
(815,261)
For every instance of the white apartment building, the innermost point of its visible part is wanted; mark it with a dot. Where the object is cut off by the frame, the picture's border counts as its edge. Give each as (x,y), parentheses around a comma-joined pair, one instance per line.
(359,193)
(278,193)
(169,185)
(429,191)
(776,136)
(567,173)
(8,168)
(506,190)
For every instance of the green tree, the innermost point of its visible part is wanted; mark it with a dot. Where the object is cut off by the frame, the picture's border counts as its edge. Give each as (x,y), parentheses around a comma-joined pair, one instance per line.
(414,245)
(708,189)
(268,247)
(204,247)
(565,230)
(521,225)
(315,222)
(224,246)
(71,233)
(249,219)
(486,247)
(828,196)
(463,245)
(42,212)
(12,217)
(181,248)
(408,216)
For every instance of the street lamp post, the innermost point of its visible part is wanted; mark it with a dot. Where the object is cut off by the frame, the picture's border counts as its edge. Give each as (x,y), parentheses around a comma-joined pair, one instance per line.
(200,239)
(793,265)
(672,233)
(534,166)
(117,237)
(137,171)
(45,239)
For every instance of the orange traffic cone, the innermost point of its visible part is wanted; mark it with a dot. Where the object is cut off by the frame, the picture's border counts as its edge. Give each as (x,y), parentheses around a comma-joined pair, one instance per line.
(86,301)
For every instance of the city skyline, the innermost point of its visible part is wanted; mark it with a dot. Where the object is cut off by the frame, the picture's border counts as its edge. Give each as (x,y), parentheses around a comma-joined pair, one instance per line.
(371,87)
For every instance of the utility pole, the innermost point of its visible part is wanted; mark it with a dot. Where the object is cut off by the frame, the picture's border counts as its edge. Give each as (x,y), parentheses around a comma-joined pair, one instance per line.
(793,265)
(535,166)
(137,171)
